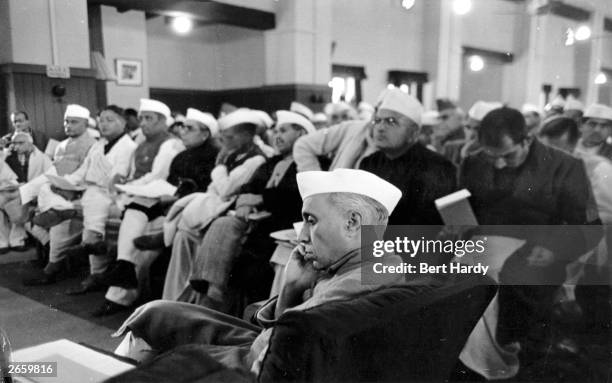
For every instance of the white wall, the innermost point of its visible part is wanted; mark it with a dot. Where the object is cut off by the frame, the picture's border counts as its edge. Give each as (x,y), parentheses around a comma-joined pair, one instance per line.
(31,32)
(379,35)
(125,37)
(491,24)
(606,59)
(211,58)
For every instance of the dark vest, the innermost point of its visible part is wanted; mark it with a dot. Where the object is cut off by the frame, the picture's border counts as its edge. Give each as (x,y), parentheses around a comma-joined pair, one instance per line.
(20,170)
(145,154)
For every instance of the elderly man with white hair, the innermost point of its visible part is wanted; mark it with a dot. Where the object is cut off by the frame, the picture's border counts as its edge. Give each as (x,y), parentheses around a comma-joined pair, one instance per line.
(326,266)
(275,191)
(24,163)
(69,156)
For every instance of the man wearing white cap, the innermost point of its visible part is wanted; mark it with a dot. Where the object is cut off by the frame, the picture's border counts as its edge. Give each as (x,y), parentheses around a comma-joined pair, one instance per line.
(236,164)
(190,170)
(457,150)
(326,266)
(109,157)
(421,174)
(152,160)
(596,131)
(276,193)
(69,156)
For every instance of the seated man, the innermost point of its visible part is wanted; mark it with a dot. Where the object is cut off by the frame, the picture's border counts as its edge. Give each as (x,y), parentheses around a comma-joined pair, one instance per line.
(421,174)
(326,266)
(190,169)
(69,156)
(222,241)
(109,157)
(26,162)
(516,180)
(152,160)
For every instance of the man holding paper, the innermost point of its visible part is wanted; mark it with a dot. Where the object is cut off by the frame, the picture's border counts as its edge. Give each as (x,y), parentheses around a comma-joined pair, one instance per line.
(69,156)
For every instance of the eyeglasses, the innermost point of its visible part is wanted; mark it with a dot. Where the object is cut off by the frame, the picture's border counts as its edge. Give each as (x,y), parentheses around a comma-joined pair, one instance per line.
(389,121)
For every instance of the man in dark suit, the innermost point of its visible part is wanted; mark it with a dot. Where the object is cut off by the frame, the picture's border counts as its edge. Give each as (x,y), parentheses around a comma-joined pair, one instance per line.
(272,189)
(517,180)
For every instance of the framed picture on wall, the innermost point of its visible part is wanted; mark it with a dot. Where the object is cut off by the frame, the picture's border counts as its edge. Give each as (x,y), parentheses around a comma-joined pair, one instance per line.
(129,72)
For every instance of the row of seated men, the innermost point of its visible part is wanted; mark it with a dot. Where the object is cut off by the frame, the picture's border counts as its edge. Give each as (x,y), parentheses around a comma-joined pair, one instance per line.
(508,182)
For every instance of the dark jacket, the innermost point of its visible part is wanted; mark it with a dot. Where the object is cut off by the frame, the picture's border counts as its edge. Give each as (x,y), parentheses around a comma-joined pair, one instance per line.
(190,169)
(422,175)
(549,188)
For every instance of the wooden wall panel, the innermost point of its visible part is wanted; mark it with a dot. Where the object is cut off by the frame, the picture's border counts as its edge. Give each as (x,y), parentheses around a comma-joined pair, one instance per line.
(33,94)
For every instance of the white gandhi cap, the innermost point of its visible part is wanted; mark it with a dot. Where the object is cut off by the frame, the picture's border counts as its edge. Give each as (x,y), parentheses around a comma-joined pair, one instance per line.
(402,103)
(482,108)
(76,111)
(239,116)
(349,181)
(148,105)
(204,118)
(286,117)
(598,111)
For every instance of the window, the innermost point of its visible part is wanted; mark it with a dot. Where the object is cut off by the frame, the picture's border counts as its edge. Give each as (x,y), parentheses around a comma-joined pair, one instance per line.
(346,83)
(408,82)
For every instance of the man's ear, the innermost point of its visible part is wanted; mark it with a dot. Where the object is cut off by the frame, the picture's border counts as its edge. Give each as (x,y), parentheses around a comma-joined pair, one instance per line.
(353,223)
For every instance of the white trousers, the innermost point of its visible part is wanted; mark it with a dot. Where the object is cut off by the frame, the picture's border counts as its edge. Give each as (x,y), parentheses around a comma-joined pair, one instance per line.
(134,224)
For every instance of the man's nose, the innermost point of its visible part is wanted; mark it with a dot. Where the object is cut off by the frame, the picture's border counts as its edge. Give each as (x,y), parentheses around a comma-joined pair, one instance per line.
(304,235)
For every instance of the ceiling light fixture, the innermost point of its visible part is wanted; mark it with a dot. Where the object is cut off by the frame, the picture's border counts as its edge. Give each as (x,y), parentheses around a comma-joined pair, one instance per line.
(408,4)
(601,78)
(182,25)
(462,7)
(583,33)
(476,63)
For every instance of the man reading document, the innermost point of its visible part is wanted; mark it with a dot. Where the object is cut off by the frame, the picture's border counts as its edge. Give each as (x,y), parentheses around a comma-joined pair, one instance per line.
(324,267)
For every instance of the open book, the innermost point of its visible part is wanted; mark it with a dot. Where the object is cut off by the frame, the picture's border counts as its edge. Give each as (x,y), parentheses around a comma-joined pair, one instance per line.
(455,209)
